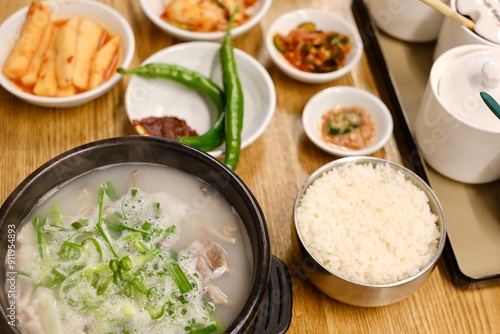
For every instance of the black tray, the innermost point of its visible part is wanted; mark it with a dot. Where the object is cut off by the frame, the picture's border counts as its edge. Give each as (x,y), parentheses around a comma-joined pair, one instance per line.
(406,145)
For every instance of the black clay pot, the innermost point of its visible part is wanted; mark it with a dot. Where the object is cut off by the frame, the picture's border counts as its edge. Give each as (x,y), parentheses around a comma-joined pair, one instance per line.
(158,151)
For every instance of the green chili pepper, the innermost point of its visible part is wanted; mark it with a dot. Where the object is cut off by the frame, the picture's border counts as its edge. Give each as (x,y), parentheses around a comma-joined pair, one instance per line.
(214,137)
(234,98)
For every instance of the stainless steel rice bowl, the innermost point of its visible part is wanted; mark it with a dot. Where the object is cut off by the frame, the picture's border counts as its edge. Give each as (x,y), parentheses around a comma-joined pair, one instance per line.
(337,283)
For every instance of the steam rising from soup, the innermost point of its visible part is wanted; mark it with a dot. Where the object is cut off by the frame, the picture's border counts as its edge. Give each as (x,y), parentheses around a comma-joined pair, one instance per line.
(132,248)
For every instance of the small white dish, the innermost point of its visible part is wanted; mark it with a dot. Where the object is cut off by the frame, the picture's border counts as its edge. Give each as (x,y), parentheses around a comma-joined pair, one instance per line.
(161,97)
(104,15)
(410,21)
(324,21)
(453,34)
(154,8)
(347,97)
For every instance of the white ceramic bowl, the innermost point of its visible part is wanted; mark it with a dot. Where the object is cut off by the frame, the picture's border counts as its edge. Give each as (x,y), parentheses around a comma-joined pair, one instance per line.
(104,15)
(161,97)
(324,21)
(348,97)
(154,8)
(453,34)
(407,20)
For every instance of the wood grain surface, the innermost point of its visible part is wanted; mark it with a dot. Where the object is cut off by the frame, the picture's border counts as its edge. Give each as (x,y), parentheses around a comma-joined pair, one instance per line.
(274,167)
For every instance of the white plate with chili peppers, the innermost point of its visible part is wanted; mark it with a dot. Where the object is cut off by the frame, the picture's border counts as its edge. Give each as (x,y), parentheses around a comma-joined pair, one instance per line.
(347,121)
(160,106)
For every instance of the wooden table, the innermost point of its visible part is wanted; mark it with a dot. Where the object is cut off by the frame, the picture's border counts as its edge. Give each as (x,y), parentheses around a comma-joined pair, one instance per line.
(273,167)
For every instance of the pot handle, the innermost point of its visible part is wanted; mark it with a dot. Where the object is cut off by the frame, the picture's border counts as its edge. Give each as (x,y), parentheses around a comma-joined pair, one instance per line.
(275,314)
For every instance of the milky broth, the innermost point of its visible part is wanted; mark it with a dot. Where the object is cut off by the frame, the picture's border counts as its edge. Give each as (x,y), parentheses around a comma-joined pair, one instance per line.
(197,209)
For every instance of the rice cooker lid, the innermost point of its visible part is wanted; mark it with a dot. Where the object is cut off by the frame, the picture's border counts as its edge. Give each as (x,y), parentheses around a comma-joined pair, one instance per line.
(486,17)
(463,78)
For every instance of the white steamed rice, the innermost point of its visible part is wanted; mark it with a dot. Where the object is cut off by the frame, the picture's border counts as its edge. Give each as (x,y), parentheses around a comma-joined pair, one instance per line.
(368,223)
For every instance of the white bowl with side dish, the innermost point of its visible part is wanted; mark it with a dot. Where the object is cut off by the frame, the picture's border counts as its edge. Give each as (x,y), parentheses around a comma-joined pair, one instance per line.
(154,9)
(161,97)
(105,16)
(347,97)
(323,21)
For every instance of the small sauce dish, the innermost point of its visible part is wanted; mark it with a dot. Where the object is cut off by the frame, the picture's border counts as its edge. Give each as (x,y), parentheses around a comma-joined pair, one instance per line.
(375,125)
(155,8)
(324,22)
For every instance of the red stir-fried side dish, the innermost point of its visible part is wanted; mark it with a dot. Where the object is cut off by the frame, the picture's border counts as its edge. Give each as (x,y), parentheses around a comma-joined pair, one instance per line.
(165,127)
(206,15)
(312,50)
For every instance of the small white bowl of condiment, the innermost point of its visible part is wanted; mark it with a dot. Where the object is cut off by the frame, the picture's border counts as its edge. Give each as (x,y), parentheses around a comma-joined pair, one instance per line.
(407,20)
(313,46)
(486,30)
(64,54)
(347,121)
(204,20)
